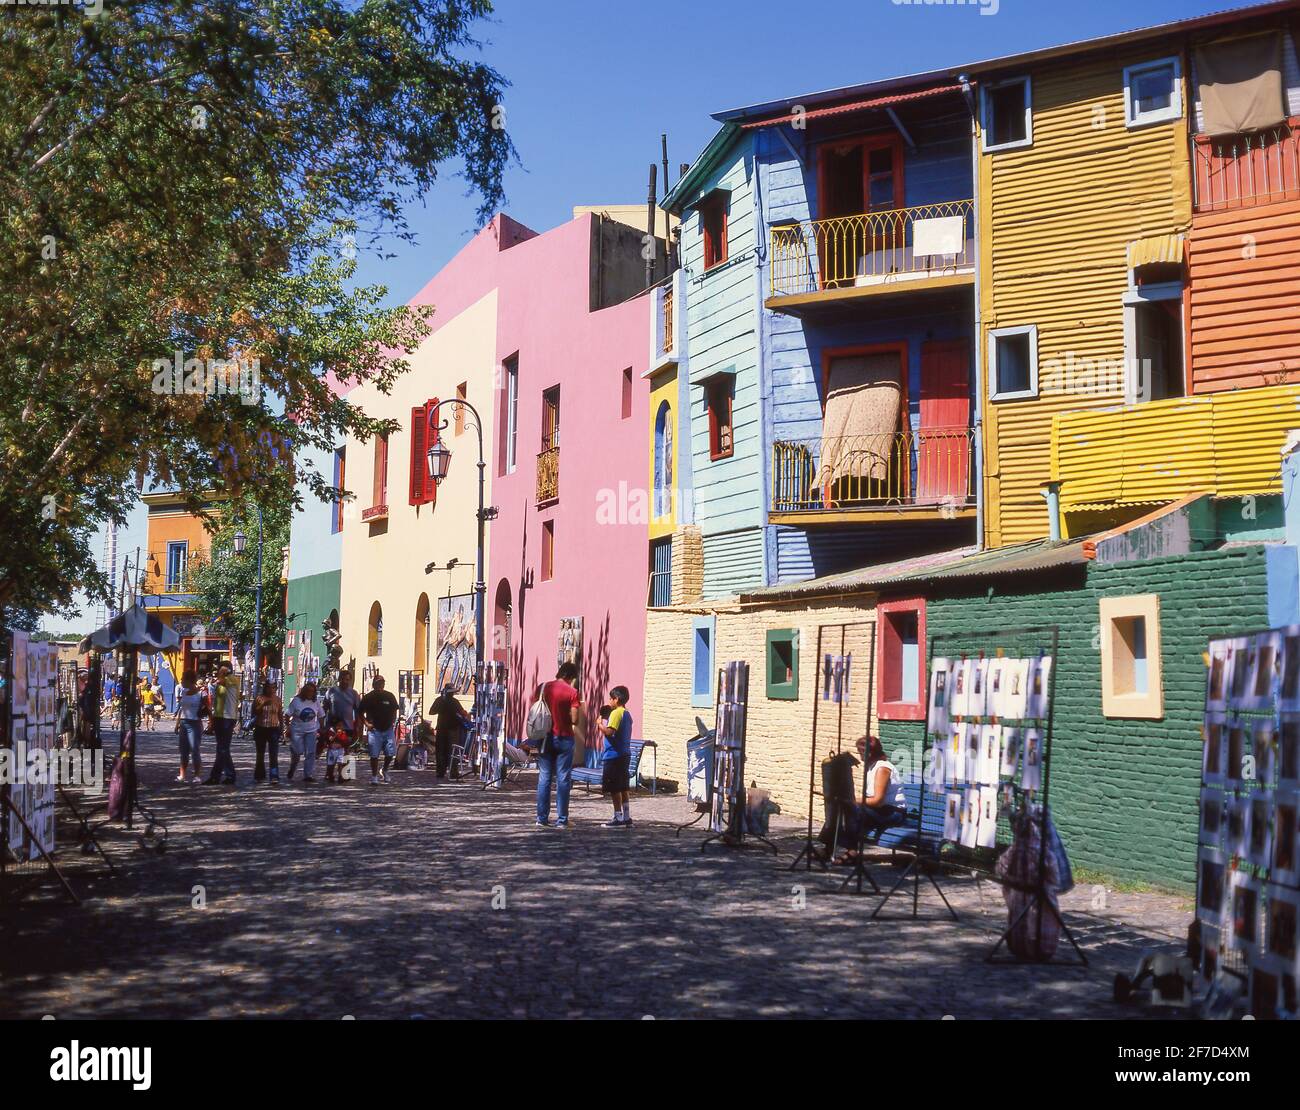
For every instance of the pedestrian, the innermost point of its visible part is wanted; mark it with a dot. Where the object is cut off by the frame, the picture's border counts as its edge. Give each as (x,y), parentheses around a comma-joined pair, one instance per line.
(304,724)
(616,757)
(343,702)
(225,712)
(555,762)
(191,708)
(449,717)
(379,708)
(268,727)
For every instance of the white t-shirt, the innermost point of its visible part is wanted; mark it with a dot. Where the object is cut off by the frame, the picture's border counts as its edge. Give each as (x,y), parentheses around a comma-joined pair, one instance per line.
(894,795)
(188,703)
(304,716)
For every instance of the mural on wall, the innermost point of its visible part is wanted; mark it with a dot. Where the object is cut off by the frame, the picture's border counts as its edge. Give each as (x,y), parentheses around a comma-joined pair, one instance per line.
(455,664)
(570,645)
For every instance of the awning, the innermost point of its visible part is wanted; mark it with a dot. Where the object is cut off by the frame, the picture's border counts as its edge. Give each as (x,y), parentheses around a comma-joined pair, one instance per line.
(854,106)
(1156,248)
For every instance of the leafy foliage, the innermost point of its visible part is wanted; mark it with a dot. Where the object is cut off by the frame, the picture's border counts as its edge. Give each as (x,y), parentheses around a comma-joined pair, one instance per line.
(195,177)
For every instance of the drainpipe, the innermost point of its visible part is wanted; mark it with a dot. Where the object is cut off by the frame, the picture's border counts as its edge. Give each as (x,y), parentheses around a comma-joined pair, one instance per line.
(978,342)
(1051,493)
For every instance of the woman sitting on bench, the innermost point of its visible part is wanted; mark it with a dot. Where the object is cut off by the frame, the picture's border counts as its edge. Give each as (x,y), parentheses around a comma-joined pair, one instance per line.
(884,805)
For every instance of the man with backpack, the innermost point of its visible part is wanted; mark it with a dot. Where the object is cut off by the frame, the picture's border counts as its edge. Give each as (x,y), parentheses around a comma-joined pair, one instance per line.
(553,721)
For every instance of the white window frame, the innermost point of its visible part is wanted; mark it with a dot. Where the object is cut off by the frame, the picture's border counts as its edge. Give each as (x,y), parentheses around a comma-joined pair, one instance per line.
(986,130)
(1147,294)
(995,334)
(1133,119)
(512,417)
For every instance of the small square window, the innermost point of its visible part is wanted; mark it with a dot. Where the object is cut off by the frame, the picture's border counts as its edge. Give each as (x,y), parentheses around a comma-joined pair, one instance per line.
(702,632)
(901,659)
(1130,657)
(1013,363)
(1152,93)
(783,663)
(1008,117)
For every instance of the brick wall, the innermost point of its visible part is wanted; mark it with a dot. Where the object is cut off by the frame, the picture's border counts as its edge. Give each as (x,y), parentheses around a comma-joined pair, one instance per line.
(1124,793)
(688,565)
(778,744)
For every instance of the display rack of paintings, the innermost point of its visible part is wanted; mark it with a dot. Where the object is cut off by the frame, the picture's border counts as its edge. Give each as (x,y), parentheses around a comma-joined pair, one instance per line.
(987,757)
(727,816)
(1248,850)
(489,721)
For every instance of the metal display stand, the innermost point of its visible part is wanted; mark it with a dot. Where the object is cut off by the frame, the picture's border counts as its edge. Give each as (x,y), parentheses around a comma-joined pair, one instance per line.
(486,747)
(840,687)
(727,816)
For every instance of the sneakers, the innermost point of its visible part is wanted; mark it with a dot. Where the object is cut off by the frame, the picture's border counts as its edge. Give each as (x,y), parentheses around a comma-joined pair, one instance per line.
(383,777)
(564,824)
(542,825)
(374,780)
(275,778)
(181,777)
(616,823)
(627,822)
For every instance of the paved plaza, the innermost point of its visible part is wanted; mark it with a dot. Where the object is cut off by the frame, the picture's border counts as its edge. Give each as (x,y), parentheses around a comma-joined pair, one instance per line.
(437,900)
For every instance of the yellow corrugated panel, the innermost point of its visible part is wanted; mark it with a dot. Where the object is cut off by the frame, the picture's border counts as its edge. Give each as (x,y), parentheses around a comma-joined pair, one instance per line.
(1155,248)
(1250,426)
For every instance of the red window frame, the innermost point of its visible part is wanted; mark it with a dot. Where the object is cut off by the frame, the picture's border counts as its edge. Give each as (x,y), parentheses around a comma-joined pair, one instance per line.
(868,143)
(713,227)
(717,394)
(889,662)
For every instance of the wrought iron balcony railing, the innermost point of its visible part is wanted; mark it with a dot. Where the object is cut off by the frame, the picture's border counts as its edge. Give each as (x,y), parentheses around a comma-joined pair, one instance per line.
(1240,171)
(548,475)
(667,338)
(928,467)
(821,255)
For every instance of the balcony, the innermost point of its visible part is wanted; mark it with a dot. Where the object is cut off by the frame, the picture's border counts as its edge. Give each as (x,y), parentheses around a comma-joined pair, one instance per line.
(548,476)
(1242,171)
(1226,444)
(847,258)
(923,474)
(668,319)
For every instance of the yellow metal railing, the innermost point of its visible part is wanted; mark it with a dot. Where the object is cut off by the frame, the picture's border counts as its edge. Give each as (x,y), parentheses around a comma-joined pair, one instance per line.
(1227,444)
(816,255)
(548,475)
(668,319)
(924,467)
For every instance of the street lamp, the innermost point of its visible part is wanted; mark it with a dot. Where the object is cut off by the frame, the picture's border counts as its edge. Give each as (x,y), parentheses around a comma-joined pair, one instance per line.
(438,458)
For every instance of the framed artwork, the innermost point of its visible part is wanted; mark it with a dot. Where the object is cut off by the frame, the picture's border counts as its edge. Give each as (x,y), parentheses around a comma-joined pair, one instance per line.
(936,775)
(1289,687)
(1239,744)
(1263,751)
(974,750)
(1011,735)
(952,814)
(1031,772)
(959,685)
(990,760)
(1285,865)
(1241,664)
(1288,752)
(1236,825)
(1211,834)
(1247,914)
(1039,692)
(1214,757)
(987,834)
(1015,677)
(1259,833)
(1211,887)
(976,706)
(970,818)
(954,759)
(1264,656)
(995,699)
(939,693)
(1216,678)
(1280,931)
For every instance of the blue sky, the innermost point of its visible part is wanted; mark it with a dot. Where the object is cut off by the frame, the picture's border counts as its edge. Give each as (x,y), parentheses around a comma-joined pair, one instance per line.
(593,84)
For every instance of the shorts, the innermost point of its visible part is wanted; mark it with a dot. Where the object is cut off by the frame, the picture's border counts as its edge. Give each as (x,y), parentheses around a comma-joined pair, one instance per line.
(382,743)
(335,756)
(615,774)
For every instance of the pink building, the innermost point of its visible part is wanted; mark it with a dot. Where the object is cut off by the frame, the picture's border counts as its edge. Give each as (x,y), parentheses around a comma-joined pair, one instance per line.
(568,551)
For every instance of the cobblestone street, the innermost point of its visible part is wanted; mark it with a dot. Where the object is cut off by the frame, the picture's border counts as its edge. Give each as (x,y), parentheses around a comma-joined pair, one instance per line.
(377,902)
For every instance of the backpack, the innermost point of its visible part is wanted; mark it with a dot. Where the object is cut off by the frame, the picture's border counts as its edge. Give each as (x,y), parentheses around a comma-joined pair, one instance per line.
(539,723)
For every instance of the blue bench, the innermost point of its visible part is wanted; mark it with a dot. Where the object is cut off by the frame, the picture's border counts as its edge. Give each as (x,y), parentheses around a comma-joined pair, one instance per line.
(920,835)
(590,776)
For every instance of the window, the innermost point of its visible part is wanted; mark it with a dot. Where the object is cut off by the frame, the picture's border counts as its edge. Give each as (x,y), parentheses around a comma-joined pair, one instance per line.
(862,175)
(551,418)
(702,633)
(177,555)
(548,550)
(783,663)
(379,494)
(424,490)
(1008,117)
(375,631)
(717,395)
(1153,339)
(462,393)
(1130,657)
(713,227)
(340,468)
(1152,93)
(663,461)
(901,659)
(1013,363)
(509,456)
(627,393)
(661,572)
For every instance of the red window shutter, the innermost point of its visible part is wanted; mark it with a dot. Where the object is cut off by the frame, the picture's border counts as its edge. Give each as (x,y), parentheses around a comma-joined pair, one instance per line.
(430,486)
(419,468)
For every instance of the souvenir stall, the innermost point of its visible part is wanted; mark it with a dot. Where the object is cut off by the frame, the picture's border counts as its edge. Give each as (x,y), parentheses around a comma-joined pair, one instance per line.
(1248,855)
(488,727)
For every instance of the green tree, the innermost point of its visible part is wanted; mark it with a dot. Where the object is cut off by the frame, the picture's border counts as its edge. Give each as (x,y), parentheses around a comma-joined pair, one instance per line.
(197,177)
(225,583)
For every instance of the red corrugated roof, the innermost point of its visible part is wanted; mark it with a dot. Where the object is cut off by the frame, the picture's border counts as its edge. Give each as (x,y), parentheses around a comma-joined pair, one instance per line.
(855,106)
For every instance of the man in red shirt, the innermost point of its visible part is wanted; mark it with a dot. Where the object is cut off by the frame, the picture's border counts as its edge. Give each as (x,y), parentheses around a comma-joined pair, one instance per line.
(556,764)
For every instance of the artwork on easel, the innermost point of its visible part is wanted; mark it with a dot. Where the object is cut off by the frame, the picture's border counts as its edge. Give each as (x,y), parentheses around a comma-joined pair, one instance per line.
(1239,668)
(835,678)
(990,758)
(1259,841)
(970,819)
(1031,771)
(1264,751)
(1236,825)
(975,706)
(1244,900)
(1289,686)
(954,759)
(1211,834)
(1214,754)
(959,705)
(1212,887)
(996,699)
(1216,681)
(937,717)
(971,770)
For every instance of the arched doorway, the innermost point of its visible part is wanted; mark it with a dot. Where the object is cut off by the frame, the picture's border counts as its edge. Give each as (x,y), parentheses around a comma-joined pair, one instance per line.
(502,615)
(420,662)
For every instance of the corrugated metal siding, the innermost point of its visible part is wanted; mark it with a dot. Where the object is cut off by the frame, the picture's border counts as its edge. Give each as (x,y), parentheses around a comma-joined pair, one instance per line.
(733,562)
(1244,304)
(1227,444)
(802,554)
(1059,216)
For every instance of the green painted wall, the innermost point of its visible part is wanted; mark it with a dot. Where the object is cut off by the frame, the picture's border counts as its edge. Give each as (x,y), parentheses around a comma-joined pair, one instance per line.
(312,596)
(1124,793)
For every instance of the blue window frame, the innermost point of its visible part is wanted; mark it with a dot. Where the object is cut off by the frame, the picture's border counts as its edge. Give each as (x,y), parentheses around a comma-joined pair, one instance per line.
(177,555)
